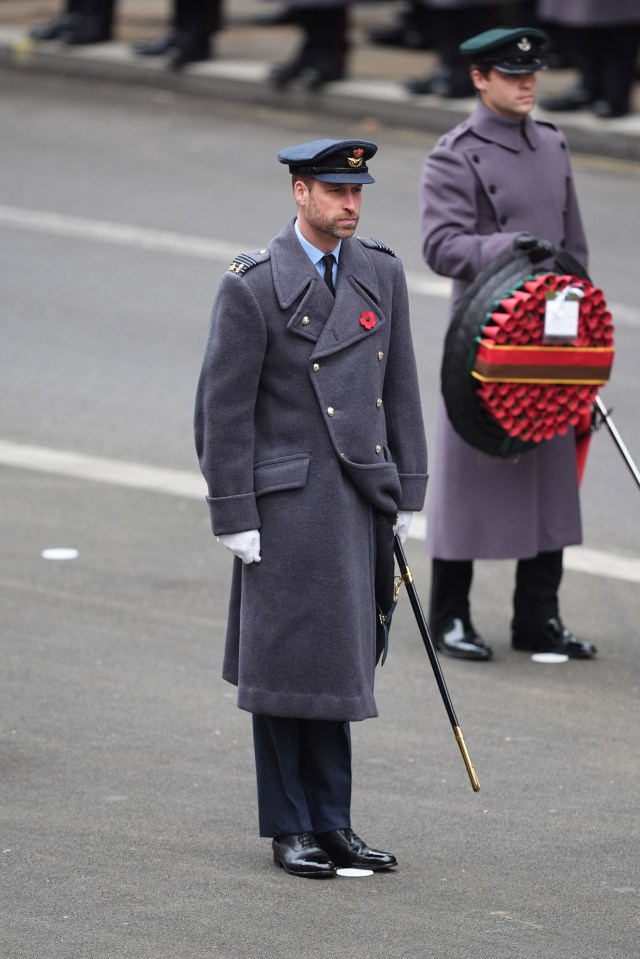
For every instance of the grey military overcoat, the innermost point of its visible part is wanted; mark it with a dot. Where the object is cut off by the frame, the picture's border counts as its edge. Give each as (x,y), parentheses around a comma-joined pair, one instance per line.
(589,13)
(487,181)
(308,420)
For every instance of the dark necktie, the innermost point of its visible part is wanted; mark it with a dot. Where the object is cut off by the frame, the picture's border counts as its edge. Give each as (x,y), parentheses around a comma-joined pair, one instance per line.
(328,261)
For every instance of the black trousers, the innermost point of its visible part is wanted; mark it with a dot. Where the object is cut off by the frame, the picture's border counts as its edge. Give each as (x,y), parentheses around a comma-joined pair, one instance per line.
(197,18)
(303,773)
(535,597)
(606,59)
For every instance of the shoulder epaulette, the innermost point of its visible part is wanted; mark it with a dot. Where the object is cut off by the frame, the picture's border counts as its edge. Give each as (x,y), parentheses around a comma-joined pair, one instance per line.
(242,263)
(546,123)
(454,135)
(376,245)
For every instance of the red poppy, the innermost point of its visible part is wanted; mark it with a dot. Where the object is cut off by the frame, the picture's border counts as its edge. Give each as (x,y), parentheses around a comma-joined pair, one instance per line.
(368,320)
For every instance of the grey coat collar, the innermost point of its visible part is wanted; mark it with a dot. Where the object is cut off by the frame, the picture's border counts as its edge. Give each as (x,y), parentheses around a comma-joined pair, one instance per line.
(293,271)
(506,133)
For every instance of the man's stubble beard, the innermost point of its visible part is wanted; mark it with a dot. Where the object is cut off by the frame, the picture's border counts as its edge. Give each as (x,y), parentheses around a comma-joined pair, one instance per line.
(330,227)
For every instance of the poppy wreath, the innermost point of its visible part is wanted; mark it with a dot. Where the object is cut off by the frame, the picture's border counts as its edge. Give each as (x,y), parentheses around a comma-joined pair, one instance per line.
(506,390)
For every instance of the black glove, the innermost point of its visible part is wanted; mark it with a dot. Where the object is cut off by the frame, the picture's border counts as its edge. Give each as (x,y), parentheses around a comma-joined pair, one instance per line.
(537,249)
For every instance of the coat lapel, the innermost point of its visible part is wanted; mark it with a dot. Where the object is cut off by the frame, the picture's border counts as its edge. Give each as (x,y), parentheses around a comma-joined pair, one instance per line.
(356,312)
(296,280)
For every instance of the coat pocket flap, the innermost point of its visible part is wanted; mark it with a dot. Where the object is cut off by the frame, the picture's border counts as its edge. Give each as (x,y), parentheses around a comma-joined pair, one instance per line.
(286,472)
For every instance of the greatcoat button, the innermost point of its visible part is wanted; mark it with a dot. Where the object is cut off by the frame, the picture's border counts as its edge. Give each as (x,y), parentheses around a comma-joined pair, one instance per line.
(316,367)
(378,449)
(305,321)
(330,411)
(380,356)
(378,403)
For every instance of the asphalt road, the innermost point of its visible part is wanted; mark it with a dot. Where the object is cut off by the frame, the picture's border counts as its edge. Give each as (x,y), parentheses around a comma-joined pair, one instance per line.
(127,808)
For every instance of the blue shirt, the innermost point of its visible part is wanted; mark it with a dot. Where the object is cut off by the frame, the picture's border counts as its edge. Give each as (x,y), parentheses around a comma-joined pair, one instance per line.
(315,255)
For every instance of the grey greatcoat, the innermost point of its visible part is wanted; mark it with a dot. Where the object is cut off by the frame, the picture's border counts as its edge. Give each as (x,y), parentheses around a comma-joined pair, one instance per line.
(308,420)
(486,182)
(589,13)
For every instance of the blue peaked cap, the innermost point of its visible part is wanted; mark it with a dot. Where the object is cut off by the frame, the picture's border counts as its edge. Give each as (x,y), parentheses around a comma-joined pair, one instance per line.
(332,161)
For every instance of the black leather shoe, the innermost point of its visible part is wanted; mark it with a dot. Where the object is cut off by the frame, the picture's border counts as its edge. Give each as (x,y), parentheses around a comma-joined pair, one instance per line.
(156,48)
(346,849)
(283,73)
(56,28)
(87,30)
(310,76)
(552,637)
(407,35)
(574,99)
(442,83)
(313,78)
(189,50)
(607,109)
(300,855)
(462,642)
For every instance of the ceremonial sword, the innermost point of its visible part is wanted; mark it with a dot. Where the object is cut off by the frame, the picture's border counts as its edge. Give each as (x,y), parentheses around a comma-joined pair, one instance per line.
(601,415)
(414,599)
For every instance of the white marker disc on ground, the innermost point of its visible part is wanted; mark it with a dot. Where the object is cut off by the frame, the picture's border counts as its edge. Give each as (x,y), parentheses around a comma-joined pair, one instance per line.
(550,658)
(60,553)
(354,873)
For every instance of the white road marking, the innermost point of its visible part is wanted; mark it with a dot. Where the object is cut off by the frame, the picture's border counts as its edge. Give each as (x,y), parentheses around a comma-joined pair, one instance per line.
(60,552)
(199,247)
(191,486)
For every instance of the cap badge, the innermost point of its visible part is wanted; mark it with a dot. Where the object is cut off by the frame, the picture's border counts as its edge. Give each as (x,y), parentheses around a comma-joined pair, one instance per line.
(368,320)
(355,161)
(524,44)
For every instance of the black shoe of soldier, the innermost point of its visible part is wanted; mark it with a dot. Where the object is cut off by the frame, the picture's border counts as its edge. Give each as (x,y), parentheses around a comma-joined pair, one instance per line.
(552,637)
(189,50)
(300,855)
(87,30)
(55,29)
(462,642)
(347,850)
(156,48)
(574,99)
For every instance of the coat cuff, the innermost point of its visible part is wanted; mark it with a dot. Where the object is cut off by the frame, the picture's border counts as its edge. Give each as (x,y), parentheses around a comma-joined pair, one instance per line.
(233,514)
(414,491)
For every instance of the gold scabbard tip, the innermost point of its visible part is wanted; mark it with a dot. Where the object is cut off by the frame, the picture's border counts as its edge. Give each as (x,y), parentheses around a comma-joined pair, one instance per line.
(475,783)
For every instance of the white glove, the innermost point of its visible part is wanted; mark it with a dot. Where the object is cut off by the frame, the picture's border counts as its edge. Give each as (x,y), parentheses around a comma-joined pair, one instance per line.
(245,545)
(401,529)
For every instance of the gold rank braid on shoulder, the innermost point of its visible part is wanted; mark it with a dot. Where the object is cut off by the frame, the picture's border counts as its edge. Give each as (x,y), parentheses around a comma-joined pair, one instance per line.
(241,264)
(373,244)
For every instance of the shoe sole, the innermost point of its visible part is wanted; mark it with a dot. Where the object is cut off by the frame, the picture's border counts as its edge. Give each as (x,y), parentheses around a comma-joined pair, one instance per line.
(311,874)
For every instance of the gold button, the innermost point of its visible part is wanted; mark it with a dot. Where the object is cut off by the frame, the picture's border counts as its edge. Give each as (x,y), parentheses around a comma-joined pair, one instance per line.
(330,410)
(378,403)
(378,449)
(316,367)
(305,321)
(380,356)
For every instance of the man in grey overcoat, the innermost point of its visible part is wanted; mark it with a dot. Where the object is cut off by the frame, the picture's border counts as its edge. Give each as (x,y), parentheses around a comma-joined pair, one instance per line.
(310,436)
(498,181)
